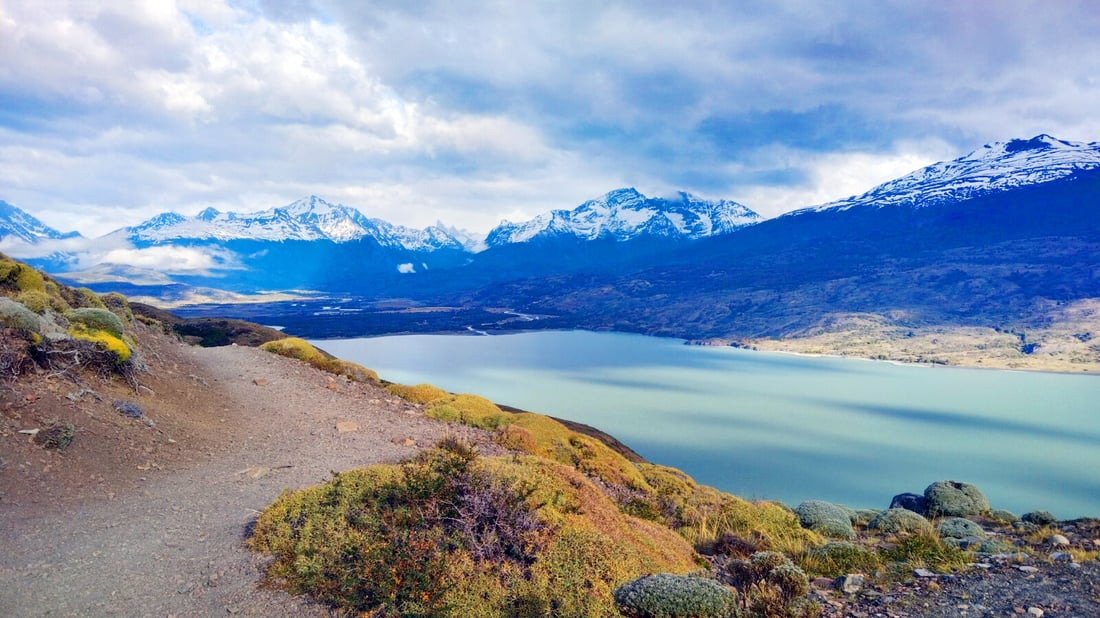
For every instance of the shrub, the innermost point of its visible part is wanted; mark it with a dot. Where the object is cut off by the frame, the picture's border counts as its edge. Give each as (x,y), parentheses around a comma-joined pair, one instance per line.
(665,595)
(900,521)
(81,297)
(926,550)
(117,304)
(864,516)
(826,518)
(300,349)
(97,319)
(103,340)
(772,585)
(451,534)
(470,410)
(19,317)
(56,435)
(837,558)
(35,300)
(955,499)
(418,393)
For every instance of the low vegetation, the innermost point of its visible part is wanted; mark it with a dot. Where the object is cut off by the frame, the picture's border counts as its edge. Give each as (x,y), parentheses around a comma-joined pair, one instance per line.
(293,347)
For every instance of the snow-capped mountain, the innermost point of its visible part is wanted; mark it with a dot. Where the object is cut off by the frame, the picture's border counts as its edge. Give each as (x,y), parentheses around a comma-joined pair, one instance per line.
(994,168)
(625,214)
(19,224)
(310,218)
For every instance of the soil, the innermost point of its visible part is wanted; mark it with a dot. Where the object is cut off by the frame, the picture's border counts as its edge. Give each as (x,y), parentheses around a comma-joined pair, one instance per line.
(148,516)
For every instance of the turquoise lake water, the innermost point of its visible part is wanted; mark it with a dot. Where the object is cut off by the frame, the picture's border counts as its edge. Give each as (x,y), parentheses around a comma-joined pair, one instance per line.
(780,426)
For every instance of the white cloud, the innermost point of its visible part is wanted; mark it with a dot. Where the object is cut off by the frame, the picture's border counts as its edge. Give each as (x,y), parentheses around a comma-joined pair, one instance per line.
(418,112)
(406,268)
(170,260)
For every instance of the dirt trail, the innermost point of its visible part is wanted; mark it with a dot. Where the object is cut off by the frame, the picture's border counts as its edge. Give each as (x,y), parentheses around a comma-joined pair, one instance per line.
(162,536)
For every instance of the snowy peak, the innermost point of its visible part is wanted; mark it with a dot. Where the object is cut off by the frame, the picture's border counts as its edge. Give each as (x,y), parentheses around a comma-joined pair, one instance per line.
(995,167)
(19,224)
(625,214)
(310,218)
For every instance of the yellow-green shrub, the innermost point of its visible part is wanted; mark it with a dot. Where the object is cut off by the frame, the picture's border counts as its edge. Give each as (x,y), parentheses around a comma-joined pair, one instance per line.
(104,340)
(417,393)
(39,301)
(300,349)
(386,536)
(703,514)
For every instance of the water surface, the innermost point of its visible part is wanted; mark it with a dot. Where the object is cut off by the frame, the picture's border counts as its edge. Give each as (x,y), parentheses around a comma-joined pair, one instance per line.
(781,426)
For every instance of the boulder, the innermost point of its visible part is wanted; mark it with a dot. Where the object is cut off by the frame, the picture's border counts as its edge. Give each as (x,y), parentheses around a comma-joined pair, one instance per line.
(911,502)
(954,499)
(900,521)
(1039,518)
(960,528)
(826,518)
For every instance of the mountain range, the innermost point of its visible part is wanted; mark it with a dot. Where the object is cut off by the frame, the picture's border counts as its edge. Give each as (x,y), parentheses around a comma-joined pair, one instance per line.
(997,238)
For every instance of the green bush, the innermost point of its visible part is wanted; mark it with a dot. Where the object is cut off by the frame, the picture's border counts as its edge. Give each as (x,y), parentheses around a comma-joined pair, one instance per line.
(900,521)
(772,586)
(56,435)
(1003,517)
(665,595)
(926,550)
(97,319)
(826,518)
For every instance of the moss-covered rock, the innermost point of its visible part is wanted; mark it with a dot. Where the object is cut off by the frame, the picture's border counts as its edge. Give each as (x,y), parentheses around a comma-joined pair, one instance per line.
(900,521)
(17,316)
(959,528)
(1003,517)
(1039,518)
(826,518)
(955,499)
(97,319)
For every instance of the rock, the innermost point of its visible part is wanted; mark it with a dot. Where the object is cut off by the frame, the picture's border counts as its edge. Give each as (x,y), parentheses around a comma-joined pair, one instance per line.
(823,583)
(1035,612)
(1027,569)
(851,583)
(910,502)
(901,521)
(826,518)
(924,573)
(128,409)
(1003,517)
(260,381)
(346,426)
(960,528)
(955,499)
(1058,539)
(1061,556)
(1039,518)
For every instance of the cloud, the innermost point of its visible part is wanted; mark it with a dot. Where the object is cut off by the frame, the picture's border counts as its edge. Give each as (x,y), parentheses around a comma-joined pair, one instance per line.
(172,260)
(417,112)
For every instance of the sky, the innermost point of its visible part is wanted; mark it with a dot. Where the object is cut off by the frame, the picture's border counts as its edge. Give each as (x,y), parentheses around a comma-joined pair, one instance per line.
(473,112)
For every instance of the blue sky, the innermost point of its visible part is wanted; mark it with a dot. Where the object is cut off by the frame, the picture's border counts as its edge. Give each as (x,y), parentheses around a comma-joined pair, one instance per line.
(473,112)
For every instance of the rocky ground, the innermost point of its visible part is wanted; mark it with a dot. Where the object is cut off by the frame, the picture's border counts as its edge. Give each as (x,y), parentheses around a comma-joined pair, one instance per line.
(147,516)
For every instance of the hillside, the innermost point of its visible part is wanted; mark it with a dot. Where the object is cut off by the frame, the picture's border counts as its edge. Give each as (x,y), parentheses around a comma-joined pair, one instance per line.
(129,480)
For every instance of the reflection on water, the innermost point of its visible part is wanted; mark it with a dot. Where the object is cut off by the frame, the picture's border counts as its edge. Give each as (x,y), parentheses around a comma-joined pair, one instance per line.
(781,426)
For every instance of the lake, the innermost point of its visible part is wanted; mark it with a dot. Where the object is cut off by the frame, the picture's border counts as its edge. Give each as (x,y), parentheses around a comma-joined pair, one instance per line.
(781,426)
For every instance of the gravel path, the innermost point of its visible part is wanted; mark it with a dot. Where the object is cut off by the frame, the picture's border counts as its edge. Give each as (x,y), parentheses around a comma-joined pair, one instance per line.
(236,427)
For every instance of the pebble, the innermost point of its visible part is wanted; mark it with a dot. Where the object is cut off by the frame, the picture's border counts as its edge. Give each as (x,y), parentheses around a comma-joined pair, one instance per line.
(1061,556)
(850,584)
(1058,539)
(1035,611)
(923,573)
(1028,569)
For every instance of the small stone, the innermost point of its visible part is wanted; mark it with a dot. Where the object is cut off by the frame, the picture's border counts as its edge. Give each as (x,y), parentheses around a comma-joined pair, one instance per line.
(1061,556)
(260,381)
(409,442)
(850,584)
(1028,568)
(981,565)
(1035,611)
(1058,539)
(924,573)
(346,426)
(823,582)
